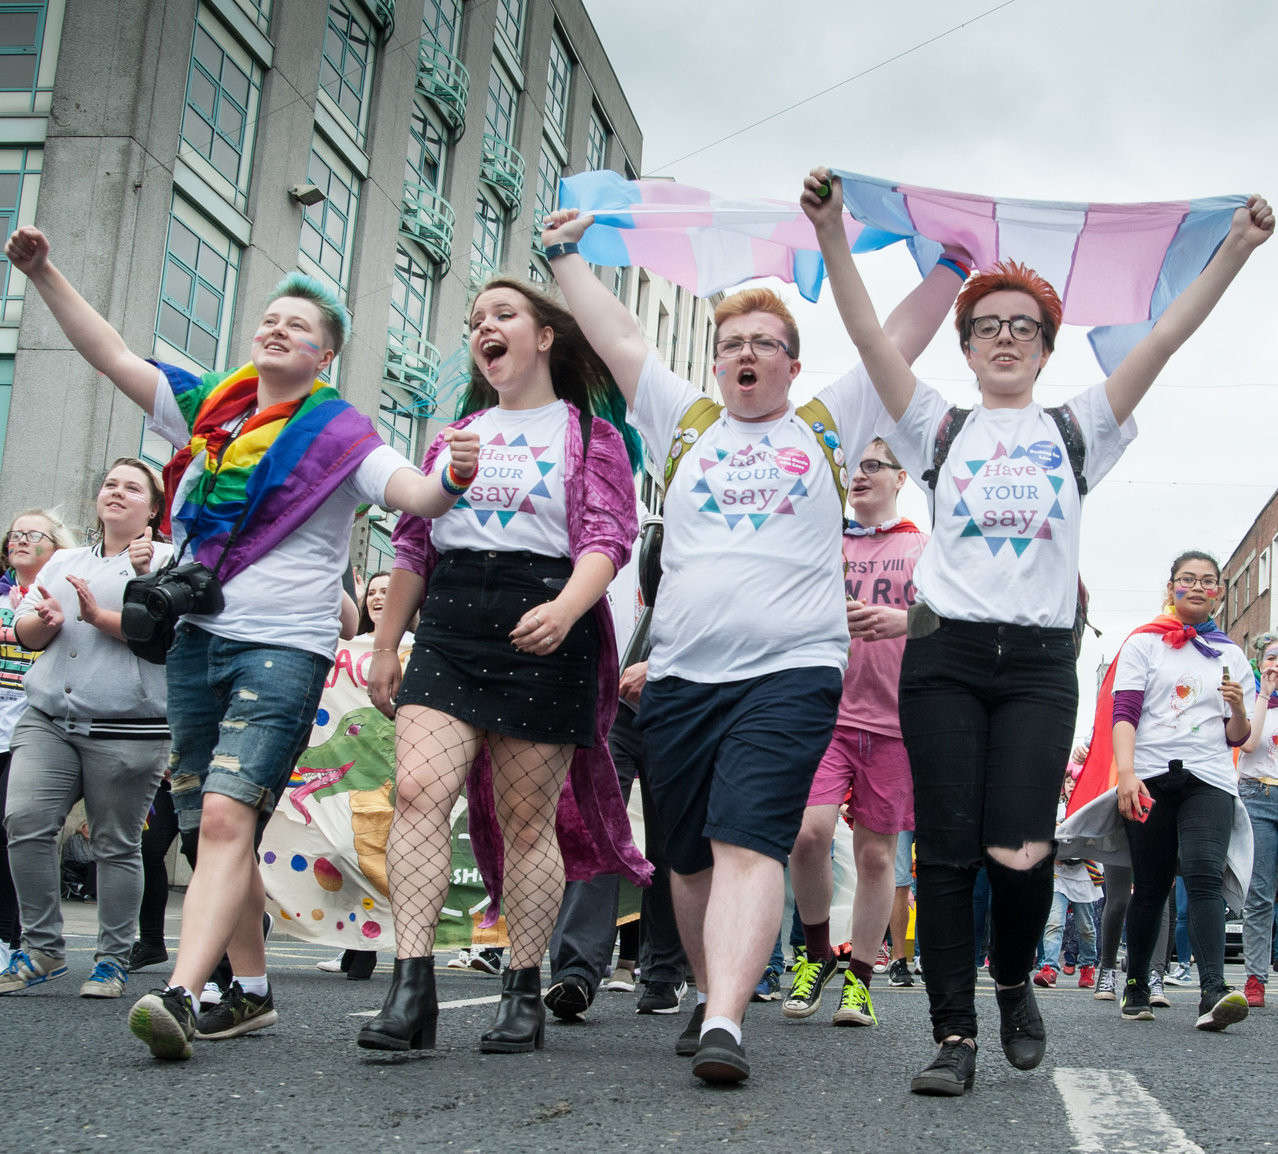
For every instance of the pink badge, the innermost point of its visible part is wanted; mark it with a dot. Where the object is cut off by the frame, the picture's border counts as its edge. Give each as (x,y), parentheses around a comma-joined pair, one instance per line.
(793,461)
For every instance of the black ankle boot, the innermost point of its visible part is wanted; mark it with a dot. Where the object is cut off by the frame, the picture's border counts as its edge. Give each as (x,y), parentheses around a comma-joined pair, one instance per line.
(521,1017)
(407,1020)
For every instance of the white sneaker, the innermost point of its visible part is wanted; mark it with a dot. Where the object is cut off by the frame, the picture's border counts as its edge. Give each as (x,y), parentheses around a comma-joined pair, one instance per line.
(461,961)
(332,966)
(211,995)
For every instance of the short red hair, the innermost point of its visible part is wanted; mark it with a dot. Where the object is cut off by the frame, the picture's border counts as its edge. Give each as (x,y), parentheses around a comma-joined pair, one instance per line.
(1008,276)
(758,300)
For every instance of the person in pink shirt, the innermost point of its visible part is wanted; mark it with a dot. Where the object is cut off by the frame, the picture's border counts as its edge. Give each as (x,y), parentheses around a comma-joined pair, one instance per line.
(866,753)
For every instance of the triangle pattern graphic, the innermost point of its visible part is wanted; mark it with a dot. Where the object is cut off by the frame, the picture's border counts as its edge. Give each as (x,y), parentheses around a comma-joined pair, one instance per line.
(546,467)
(538,490)
(970,530)
(702,486)
(1055,511)
(785,507)
(963,482)
(1020,544)
(483,514)
(526,507)
(732,519)
(995,544)
(757,519)
(711,506)
(504,517)
(961,510)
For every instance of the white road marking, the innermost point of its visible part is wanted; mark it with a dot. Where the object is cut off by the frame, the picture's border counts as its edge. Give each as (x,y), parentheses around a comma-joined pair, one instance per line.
(1112,1113)
(457,1004)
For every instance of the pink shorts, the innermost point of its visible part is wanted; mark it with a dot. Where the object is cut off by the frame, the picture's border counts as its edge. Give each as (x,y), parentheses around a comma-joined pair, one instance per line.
(875,767)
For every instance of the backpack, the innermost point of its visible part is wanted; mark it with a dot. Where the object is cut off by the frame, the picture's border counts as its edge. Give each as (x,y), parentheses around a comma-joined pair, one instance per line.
(703,412)
(1075,448)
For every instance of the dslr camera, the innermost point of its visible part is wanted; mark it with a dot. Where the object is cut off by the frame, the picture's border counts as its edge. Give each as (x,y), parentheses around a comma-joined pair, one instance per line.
(154,602)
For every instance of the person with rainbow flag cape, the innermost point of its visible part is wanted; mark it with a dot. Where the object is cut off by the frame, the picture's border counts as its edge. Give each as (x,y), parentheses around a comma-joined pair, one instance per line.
(271,467)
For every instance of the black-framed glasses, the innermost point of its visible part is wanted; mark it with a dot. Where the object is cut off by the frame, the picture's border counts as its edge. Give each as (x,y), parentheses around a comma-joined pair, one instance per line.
(31,536)
(1188,581)
(1022,328)
(872,465)
(730,349)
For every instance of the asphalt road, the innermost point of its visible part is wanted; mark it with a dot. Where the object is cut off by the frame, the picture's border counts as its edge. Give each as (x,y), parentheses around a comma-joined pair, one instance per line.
(76,1080)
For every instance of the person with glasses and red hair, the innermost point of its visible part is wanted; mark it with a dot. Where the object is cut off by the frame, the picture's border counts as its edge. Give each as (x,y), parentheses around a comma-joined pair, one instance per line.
(988,689)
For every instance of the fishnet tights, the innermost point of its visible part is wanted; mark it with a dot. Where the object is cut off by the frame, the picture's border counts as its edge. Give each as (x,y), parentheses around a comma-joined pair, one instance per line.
(433,754)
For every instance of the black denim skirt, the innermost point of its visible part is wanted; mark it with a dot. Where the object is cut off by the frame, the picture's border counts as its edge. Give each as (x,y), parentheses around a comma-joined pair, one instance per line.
(464,664)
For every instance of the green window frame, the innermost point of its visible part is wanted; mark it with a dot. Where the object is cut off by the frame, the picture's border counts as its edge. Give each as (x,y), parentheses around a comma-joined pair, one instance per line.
(328,227)
(427,148)
(346,66)
(499,115)
(21,40)
(6,396)
(396,424)
(558,84)
(19,179)
(510,22)
(489,231)
(596,142)
(441,21)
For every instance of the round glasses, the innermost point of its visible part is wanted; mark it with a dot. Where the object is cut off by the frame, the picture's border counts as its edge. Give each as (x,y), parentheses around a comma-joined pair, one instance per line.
(872,465)
(1022,328)
(31,536)
(1187,581)
(732,348)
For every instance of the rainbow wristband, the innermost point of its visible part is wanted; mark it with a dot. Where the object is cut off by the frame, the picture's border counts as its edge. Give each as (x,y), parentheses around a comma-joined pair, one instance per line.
(953,265)
(454,487)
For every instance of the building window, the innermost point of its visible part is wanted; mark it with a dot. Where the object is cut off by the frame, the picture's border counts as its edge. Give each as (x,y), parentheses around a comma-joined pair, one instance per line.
(510,22)
(19,179)
(197,290)
(410,294)
(486,245)
(395,423)
(441,21)
(346,69)
(21,31)
(548,170)
(328,227)
(558,82)
(499,118)
(538,271)
(619,283)
(6,393)
(223,89)
(596,142)
(425,149)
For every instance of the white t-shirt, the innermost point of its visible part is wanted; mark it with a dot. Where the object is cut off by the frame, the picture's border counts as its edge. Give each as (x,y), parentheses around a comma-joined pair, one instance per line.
(516,500)
(752,575)
(1005,511)
(292,596)
(1263,760)
(1184,714)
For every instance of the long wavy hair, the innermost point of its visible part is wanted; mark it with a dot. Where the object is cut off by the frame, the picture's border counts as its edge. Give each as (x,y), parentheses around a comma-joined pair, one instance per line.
(577,372)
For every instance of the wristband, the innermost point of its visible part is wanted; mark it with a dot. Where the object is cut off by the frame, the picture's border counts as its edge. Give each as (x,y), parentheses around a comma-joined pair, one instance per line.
(953,265)
(385,651)
(450,482)
(557,250)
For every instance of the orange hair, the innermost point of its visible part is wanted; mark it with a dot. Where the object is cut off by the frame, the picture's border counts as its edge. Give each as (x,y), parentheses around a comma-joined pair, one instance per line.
(1008,276)
(758,300)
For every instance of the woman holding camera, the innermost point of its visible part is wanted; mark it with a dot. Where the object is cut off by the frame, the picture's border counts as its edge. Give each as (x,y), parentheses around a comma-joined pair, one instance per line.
(1183,697)
(94,728)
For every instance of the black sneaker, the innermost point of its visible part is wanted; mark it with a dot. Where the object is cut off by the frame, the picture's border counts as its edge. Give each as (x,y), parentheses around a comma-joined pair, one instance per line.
(720,1058)
(486,961)
(661,997)
(950,1074)
(1220,1007)
(145,954)
(569,998)
(237,1013)
(1136,1007)
(810,980)
(1021,1026)
(165,1021)
(899,973)
(686,1043)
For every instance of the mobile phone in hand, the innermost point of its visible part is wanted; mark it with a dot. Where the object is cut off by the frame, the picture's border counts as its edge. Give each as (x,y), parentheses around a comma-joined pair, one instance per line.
(1143,806)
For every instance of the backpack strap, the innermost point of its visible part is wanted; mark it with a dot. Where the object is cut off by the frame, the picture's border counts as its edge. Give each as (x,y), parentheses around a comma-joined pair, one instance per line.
(817,417)
(699,416)
(1075,446)
(949,428)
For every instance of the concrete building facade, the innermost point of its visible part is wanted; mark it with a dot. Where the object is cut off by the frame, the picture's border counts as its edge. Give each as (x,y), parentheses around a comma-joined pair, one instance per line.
(1249,607)
(183,155)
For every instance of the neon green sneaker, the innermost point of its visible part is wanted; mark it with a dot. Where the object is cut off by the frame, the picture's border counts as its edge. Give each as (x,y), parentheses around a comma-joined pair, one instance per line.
(810,979)
(855,1007)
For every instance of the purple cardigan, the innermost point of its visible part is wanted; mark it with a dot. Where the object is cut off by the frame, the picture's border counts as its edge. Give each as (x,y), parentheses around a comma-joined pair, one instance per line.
(591,822)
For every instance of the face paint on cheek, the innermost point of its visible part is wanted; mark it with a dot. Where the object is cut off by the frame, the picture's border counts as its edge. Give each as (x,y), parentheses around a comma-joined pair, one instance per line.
(309,347)
(1178,594)
(718,372)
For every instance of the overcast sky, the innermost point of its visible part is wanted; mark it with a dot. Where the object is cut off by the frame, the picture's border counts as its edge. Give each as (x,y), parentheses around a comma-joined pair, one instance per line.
(1100,100)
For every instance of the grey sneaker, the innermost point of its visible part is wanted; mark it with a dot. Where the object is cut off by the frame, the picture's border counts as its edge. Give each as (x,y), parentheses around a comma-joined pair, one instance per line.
(237,1013)
(1157,997)
(30,969)
(107,981)
(165,1021)
(1106,984)
(1182,975)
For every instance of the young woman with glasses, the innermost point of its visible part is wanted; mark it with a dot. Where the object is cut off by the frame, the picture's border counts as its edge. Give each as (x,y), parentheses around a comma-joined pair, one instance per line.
(988,683)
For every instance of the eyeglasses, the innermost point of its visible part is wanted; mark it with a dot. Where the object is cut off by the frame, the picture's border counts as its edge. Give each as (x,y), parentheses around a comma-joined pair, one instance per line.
(1187,581)
(31,536)
(1022,328)
(732,348)
(870,466)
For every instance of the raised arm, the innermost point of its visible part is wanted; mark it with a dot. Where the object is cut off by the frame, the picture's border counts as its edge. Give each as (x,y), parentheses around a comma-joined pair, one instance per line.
(1252,226)
(913,323)
(888,367)
(95,340)
(606,322)
(431,496)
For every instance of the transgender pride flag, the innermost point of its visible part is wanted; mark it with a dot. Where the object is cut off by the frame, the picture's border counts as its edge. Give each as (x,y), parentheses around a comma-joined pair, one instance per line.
(1116,266)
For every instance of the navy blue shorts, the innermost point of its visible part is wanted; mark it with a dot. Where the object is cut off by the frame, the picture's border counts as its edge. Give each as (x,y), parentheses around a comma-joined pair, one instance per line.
(734,762)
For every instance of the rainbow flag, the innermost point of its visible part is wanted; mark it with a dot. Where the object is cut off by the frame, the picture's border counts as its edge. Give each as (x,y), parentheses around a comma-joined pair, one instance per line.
(1116,266)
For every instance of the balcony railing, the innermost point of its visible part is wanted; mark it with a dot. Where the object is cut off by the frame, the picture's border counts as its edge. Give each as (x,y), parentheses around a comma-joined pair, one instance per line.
(384,12)
(443,80)
(502,169)
(412,363)
(427,218)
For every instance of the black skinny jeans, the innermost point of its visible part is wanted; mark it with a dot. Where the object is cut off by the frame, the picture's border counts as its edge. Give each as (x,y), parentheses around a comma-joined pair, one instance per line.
(1192,820)
(987,714)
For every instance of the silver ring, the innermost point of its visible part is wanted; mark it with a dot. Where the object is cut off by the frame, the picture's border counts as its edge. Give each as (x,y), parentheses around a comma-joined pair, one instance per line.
(548,641)
(536,619)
